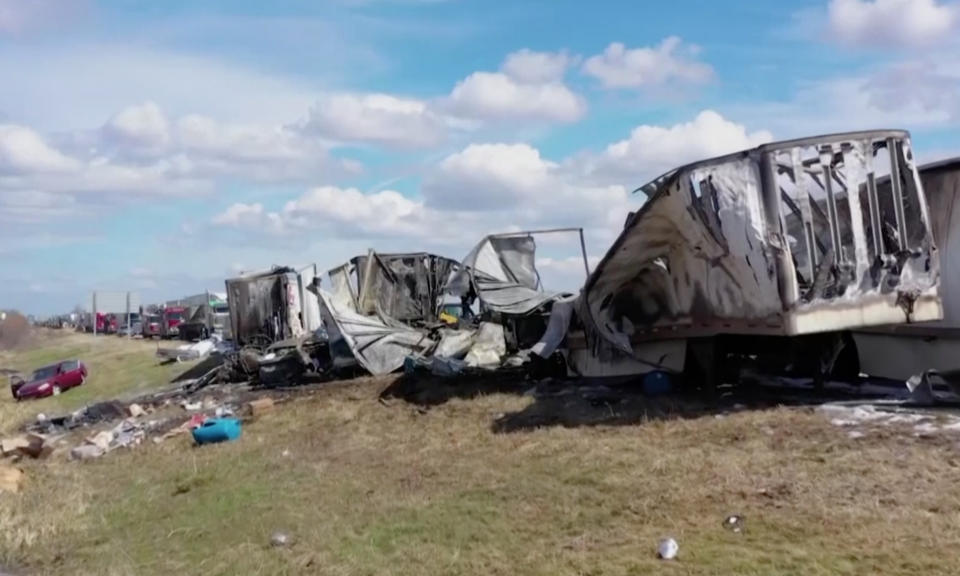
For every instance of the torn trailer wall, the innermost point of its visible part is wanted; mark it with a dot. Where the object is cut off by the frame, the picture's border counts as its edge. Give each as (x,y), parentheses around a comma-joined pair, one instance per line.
(375,345)
(788,238)
(264,307)
(902,351)
(405,287)
(500,274)
(378,304)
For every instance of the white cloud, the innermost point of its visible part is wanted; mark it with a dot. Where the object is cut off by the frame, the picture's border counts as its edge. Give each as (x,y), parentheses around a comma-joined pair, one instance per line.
(140,154)
(670,62)
(652,150)
(377,118)
(138,128)
(919,95)
(529,86)
(237,144)
(488,177)
(493,187)
(888,23)
(251,217)
(345,212)
(512,185)
(384,212)
(24,151)
(533,67)
(240,215)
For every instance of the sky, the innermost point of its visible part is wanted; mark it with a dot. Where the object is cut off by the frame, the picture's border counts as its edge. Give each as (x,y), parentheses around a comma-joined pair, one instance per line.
(161,147)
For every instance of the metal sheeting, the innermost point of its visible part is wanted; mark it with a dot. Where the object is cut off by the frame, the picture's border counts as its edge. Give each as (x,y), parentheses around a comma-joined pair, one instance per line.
(309,301)
(707,253)
(501,271)
(941,183)
(377,347)
(404,287)
(264,305)
(561,313)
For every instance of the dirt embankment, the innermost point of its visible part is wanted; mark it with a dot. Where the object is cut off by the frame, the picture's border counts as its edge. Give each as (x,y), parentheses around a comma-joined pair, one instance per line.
(14,331)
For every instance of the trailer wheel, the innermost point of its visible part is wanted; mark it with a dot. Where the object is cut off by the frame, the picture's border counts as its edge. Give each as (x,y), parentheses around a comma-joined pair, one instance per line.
(846,366)
(703,366)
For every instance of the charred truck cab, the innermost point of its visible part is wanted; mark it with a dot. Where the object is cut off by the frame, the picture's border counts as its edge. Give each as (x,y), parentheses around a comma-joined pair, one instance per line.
(773,253)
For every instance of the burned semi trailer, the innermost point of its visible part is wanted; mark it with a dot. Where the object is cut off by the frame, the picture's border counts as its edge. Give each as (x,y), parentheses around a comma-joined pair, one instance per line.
(762,252)
(265,307)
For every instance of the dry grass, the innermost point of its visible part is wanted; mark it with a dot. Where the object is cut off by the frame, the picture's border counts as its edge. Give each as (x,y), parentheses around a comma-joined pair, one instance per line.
(366,487)
(117,366)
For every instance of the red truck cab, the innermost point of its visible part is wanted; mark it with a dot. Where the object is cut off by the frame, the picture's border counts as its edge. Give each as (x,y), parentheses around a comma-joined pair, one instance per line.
(171,319)
(152,326)
(50,380)
(106,323)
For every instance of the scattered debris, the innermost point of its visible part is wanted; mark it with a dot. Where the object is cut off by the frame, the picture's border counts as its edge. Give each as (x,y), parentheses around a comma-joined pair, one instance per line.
(260,406)
(101,440)
(135,410)
(12,445)
(184,352)
(11,479)
(86,452)
(214,430)
(667,549)
(280,540)
(734,523)
(885,413)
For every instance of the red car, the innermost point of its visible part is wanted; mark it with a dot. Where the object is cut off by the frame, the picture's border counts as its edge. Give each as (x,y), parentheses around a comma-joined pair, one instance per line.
(50,380)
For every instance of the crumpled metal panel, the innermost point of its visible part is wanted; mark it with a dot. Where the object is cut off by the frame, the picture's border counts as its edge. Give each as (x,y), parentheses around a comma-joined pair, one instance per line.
(788,238)
(261,306)
(404,287)
(379,348)
(501,271)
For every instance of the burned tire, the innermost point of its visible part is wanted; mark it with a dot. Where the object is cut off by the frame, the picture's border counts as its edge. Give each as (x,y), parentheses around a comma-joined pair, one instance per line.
(846,367)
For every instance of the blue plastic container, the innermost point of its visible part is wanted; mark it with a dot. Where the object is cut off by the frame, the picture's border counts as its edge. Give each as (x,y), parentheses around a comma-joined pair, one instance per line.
(215,430)
(656,383)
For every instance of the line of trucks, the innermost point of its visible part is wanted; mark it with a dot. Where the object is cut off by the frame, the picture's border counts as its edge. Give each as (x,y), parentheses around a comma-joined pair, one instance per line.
(191,318)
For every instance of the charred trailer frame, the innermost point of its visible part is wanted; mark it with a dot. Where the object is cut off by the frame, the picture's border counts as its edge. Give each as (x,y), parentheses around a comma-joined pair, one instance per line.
(264,307)
(790,239)
(379,308)
(406,287)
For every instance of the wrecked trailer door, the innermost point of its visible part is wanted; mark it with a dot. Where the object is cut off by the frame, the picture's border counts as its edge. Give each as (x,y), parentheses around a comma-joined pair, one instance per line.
(901,351)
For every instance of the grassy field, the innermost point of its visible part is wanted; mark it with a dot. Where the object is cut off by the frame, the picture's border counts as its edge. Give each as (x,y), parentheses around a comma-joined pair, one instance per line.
(490,484)
(117,367)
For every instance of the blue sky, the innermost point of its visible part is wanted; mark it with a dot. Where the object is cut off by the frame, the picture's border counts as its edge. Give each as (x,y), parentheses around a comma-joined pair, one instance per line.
(163,146)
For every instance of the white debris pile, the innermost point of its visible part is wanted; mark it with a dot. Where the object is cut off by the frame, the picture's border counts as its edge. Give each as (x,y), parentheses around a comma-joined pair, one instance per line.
(862,415)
